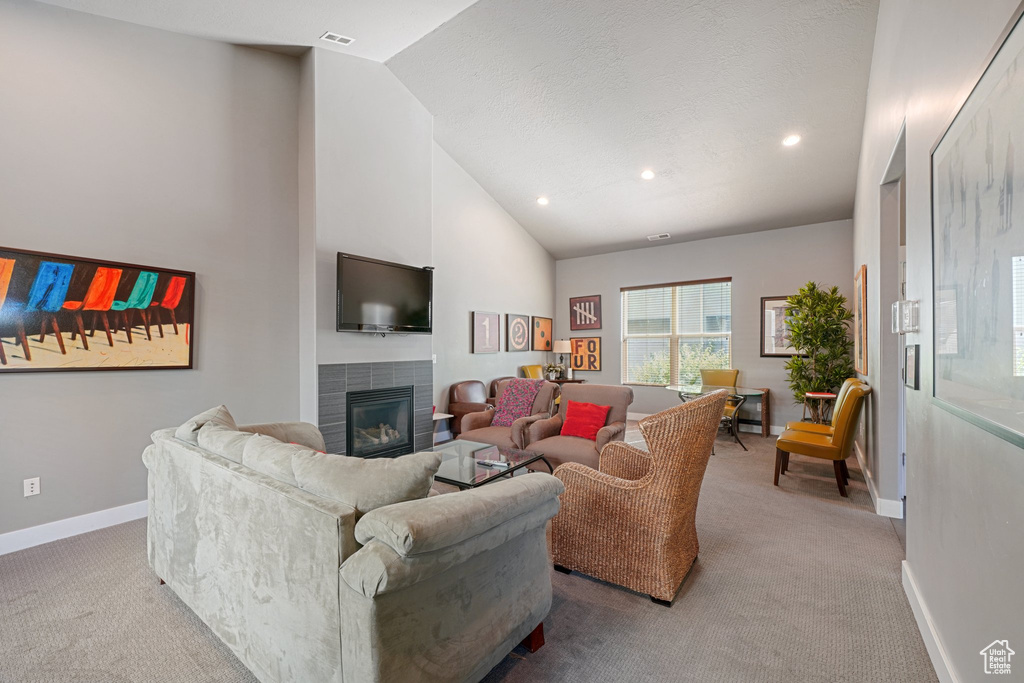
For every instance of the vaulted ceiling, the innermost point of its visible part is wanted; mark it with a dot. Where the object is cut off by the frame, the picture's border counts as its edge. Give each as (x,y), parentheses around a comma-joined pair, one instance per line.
(571,100)
(380,27)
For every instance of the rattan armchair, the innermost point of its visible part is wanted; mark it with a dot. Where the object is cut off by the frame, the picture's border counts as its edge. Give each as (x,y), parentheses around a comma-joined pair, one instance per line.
(632,522)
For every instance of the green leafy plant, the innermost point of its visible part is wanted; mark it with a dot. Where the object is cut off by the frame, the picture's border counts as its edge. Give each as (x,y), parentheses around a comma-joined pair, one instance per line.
(692,357)
(818,322)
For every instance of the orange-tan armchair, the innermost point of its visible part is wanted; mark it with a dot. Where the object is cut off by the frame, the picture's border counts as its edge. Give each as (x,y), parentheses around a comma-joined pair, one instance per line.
(546,435)
(632,522)
(835,446)
(477,426)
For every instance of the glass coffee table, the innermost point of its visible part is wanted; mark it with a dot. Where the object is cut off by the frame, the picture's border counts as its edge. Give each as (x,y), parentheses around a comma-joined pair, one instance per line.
(461,462)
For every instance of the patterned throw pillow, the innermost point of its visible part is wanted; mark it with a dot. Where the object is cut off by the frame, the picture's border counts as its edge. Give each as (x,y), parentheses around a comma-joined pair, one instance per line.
(516,401)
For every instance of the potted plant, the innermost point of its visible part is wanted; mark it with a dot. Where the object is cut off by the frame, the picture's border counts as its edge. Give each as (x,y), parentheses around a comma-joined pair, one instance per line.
(554,370)
(818,322)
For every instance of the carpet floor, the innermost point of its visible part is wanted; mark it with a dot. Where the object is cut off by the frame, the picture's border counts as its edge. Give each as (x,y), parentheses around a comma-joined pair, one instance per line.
(792,584)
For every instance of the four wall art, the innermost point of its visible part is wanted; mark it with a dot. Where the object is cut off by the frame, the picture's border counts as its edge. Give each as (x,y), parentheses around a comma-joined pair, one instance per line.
(61,312)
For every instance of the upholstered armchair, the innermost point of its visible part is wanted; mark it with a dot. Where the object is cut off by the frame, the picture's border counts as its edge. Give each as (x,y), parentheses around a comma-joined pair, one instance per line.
(492,398)
(632,521)
(545,435)
(464,398)
(477,426)
(836,446)
(533,371)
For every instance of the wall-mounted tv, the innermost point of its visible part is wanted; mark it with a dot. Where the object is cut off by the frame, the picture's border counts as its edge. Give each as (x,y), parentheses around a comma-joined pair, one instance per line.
(379,296)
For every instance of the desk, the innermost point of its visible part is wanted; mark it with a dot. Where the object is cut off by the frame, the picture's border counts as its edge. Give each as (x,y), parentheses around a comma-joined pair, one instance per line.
(739,395)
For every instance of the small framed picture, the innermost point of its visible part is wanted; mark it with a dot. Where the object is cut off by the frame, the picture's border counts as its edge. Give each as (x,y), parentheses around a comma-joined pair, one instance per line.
(541,333)
(517,336)
(486,332)
(585,312)
(911,369)
(775,328)
(585,355)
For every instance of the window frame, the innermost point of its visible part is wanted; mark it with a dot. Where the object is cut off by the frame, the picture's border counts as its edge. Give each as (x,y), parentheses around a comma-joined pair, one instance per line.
(673,336)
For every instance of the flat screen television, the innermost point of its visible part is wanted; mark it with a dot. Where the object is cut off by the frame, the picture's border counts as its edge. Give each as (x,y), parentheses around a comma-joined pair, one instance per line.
(379,296)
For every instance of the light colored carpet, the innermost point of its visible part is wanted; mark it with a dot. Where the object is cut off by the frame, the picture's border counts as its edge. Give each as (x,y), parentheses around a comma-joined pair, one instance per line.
(792,584)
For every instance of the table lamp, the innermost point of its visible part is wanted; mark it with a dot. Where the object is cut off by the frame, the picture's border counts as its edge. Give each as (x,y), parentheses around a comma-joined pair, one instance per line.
(562,347)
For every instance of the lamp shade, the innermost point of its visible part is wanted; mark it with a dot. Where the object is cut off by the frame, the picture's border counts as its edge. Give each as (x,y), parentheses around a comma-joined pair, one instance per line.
(562,346)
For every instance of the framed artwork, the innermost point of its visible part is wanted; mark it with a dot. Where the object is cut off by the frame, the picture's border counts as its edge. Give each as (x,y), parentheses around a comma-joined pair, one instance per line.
(978,249)
(585,355)
(61,312)
(911,371)
(774,328)
(585,312)
(541,334)
(486,332)
(860,320)
(517,336)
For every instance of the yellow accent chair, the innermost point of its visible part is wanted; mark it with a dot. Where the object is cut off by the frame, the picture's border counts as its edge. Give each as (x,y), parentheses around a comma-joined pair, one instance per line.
(836,446)
(828,429)
(533,371)
(725,378)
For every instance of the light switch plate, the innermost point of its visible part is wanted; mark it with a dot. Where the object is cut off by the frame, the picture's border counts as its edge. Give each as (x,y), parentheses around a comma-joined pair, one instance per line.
(32,487)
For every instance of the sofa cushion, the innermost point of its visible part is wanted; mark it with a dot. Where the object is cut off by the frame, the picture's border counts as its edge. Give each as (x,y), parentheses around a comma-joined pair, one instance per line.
(366,483)
(562,449)
(584,419)
(271,457)
(496,436)
(190,430)
(223,441)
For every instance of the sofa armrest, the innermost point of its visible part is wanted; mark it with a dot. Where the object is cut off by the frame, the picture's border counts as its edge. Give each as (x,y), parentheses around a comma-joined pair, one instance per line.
(477,420)
(616,431)
(521,428)
(546,428)
(409,542)
(302,433)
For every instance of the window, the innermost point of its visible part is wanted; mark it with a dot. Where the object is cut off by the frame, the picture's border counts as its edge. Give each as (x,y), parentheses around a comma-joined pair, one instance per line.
(671,332)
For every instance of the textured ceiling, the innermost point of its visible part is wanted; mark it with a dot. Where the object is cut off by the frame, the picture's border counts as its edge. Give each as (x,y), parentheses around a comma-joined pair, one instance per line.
(572,99)
(381,27)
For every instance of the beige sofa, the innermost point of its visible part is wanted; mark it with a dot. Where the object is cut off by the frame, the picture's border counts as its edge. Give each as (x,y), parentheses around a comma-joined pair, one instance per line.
(304,587)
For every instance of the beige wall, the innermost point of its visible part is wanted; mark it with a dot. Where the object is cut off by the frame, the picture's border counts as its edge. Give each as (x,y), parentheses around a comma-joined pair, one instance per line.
(130,144)
(485,262)
(772,263)
(964,509)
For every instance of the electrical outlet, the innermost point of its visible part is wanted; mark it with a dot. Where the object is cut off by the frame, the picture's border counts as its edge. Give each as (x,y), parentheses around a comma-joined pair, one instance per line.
(32,487)
(434,358)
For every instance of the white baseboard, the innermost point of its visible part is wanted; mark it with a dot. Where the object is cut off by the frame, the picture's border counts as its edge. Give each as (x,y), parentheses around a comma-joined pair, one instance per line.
(775,430)
(54,531)
(886,507)
(936,652)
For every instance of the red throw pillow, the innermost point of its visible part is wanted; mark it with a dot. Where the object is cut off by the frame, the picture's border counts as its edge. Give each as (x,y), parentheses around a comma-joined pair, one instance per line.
(584,419)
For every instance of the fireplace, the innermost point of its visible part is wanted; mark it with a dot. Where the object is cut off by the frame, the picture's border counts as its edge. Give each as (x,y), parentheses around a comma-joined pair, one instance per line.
(379,422)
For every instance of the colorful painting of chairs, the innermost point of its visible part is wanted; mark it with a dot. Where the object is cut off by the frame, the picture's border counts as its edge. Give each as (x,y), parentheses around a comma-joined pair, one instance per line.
(56,290)
(138,300)
(98,299)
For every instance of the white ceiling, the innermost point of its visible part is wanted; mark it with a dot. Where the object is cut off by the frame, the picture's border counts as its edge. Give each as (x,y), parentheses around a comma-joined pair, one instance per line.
(381,27)
(572,99)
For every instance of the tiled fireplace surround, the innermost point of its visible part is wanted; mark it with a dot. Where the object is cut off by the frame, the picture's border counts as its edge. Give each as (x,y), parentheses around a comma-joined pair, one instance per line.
(336,379)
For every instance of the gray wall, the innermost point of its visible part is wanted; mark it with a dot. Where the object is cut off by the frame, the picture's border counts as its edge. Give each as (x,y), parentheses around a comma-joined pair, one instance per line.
(373,192)
(130,144)
(964,509)
(486,262)
(772,263)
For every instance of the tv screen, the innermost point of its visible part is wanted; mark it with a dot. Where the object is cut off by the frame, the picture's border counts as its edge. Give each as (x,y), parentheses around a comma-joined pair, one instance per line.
(378,296)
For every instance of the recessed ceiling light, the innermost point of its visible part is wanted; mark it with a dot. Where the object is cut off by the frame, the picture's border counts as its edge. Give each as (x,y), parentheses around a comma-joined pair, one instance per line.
(648,174)
(543,201)
(337,38)
(790,140)
(660,236)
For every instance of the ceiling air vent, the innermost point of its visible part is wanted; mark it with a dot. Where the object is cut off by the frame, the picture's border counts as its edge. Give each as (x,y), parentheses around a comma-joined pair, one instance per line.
(660,236)
(337,38)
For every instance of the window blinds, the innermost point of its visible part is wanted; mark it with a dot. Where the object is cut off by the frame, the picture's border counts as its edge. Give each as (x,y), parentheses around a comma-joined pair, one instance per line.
(672,331)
